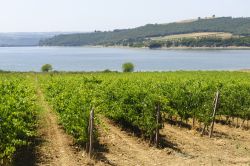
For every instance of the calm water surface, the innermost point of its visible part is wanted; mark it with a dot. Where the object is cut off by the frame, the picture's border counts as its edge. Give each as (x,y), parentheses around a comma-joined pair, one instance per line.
(97,59)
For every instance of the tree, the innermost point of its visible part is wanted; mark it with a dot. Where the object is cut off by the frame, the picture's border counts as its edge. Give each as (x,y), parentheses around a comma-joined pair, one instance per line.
(46,68)
(155,45)
(128,67)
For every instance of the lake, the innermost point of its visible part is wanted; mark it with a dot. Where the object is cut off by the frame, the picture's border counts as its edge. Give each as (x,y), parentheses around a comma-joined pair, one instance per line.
(97,59)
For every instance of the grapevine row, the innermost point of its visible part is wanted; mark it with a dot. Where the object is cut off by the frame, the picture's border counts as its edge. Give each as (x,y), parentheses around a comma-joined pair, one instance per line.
(132,99)
(17,114)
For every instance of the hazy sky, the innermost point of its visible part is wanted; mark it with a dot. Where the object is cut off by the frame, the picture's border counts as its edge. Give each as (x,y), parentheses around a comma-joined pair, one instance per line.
(89,15)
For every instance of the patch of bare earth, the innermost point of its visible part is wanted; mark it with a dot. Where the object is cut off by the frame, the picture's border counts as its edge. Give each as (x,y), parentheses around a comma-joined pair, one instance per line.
(125,149)
(57,148)
(229,146)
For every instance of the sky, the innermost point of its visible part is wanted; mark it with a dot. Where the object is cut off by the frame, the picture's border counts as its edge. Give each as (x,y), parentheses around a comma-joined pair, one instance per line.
(90,15)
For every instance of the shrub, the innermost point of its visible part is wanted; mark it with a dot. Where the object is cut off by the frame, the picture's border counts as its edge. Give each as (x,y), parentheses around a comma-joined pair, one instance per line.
(46,68)
(128,67)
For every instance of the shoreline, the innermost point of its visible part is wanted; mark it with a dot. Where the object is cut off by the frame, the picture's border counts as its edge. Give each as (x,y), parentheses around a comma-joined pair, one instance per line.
(176,48)
(163,48)
(145,48)
(206,48)
(120,72)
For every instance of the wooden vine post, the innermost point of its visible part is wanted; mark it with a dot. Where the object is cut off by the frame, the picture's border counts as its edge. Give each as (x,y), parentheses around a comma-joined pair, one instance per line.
(89,147)
(157,126)
(216,105)
(203,130)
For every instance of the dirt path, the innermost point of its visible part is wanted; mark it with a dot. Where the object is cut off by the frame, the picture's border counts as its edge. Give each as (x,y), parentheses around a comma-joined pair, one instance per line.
(229,146)
(57,148)
(124,149)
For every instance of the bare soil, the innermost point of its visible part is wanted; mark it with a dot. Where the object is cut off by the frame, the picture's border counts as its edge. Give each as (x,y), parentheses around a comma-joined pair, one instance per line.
(229,146)
(125,149)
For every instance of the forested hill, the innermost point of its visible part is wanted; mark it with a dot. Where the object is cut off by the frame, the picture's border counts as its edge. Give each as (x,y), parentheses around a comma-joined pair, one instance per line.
(236,26)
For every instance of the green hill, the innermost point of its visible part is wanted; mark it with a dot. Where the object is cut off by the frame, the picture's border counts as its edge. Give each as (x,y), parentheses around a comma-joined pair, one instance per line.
(235,26)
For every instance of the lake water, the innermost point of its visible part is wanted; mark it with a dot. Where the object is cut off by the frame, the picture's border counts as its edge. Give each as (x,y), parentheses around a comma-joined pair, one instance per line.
(97,59)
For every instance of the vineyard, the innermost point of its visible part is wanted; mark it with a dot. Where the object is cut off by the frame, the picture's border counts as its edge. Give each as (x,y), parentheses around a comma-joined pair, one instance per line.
(133,100)
(141,103)
(17,114)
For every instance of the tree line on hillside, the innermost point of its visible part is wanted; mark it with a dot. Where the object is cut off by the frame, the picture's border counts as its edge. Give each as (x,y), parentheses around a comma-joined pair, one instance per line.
(202,42)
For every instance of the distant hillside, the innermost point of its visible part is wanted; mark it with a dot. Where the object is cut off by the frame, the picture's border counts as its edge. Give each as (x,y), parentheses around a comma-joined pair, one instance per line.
(24,39)
(235,26)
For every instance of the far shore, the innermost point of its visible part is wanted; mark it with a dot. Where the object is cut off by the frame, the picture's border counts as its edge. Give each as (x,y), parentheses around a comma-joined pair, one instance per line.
(147,48)
(206,48)
(176,48)
(170,48)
